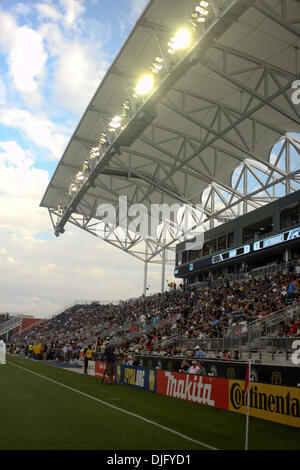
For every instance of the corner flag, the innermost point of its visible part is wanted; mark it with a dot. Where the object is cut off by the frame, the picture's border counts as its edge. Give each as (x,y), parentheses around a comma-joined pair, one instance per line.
(247,378)
(2,352)
(246,389)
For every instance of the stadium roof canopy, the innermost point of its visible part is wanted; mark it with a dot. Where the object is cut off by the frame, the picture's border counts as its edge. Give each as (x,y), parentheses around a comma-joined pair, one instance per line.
(219,104)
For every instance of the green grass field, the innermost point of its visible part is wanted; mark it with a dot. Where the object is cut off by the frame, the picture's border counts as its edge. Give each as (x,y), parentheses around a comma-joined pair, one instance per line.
(50,408)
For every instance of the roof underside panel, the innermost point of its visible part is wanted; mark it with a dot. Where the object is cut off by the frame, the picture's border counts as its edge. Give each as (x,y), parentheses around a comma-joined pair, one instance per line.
(232,102)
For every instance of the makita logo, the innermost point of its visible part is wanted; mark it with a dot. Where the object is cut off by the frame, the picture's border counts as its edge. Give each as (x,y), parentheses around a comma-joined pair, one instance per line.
(191,388)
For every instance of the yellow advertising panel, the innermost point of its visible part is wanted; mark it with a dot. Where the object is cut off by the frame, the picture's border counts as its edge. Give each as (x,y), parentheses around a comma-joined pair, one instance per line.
(271,402)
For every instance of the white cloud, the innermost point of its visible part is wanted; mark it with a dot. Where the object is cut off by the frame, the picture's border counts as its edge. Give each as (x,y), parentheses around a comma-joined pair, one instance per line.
(21,186)
(66,12)
(27,59)
(8,28)
(2,92)
(18,176)
(26,56)
(22,9)
(72,9)
(64,54)
(77,76)
(60,271)
(46,11)
(40,130)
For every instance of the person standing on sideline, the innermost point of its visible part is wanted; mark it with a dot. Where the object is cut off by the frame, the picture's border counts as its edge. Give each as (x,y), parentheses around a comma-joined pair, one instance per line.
(88,355)
(110,365)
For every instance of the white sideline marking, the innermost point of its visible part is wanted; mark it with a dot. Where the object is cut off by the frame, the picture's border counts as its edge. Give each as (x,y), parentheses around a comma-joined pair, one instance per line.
(117,408)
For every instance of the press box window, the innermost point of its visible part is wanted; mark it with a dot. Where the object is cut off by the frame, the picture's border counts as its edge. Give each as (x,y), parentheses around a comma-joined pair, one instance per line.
(258,230)
(290,216)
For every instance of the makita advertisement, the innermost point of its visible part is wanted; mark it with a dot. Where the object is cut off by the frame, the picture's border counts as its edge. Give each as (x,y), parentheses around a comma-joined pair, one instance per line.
(205,390)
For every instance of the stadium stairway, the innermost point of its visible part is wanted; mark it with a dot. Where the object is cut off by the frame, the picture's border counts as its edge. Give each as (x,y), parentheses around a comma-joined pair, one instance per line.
(10,325)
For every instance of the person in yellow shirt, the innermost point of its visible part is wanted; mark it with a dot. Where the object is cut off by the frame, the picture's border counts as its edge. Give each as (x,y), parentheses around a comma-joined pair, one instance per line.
(38,350)
(88,355)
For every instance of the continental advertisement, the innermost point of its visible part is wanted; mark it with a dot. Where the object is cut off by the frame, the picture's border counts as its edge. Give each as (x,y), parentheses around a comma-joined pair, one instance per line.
(271,402)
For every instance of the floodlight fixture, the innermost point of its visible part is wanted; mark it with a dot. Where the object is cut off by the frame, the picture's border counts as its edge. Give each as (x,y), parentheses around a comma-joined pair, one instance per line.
(60,209)
(102,139)
(114,124)
(94,153)
(157,65)
(85,166)
(144,85)
(79,177)
(200,14)
(72,188)
(181,40)
(125,109)
(201,11)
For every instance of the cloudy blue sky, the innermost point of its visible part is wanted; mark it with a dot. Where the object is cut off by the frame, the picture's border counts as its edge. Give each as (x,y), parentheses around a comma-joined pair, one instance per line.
(53,55)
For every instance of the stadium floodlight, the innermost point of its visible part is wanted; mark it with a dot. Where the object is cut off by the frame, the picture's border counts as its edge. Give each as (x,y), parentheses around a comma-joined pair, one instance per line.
(72,188)
(79,177)
(114,124)
(157,65)
(60,209)
(144,86)
(201,11)
(102,139)
(125,109)
(94,153)
(181,40)
(200,14)
(85,166)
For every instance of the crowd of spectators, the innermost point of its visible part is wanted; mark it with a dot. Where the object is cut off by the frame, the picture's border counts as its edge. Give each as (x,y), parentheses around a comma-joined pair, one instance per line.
(148,325)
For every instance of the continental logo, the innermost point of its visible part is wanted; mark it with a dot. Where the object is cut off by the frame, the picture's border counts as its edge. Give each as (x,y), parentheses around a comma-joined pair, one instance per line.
(282,401)
(276,378)
(230,373)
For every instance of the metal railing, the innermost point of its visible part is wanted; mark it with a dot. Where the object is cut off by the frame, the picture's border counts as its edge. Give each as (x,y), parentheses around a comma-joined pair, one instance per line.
(261,337)
(10,325)
(140,331)
(247,275)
